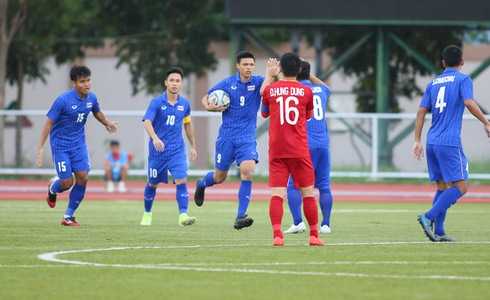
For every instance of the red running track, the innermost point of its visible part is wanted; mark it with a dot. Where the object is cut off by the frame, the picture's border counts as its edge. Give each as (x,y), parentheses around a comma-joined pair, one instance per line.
(363,192)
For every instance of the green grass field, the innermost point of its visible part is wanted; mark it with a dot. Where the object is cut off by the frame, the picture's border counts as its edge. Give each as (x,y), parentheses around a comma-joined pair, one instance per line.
(377,251)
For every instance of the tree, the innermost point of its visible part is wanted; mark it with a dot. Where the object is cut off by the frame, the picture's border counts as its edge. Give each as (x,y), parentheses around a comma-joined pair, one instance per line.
(11,19)
(154,35)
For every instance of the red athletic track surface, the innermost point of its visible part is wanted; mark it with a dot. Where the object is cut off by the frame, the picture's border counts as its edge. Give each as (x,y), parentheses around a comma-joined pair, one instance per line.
(365,192)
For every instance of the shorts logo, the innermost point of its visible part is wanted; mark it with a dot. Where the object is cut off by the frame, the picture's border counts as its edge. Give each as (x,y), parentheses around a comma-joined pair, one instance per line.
(74,107)
(164,107)
(233,87)
(251,88)
(180,107)
(89,105)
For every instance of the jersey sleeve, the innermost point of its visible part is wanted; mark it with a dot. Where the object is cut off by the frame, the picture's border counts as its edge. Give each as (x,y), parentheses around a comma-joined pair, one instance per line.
(95,106)
(425,102)
(265,103)
(151,111)
(467,89)
(56,110)
(222,85)
(187,114)
(326,90)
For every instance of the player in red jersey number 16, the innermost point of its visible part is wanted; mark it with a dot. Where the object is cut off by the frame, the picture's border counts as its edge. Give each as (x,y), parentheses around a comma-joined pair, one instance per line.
(289,104)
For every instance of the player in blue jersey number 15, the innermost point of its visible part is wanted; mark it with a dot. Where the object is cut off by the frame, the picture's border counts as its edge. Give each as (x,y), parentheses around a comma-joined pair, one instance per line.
(445,97)
(66,129)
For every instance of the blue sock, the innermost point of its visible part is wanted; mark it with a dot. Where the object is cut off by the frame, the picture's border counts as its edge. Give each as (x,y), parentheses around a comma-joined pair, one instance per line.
(207,180)
(294,203)
(76,196)
(444,201)
(56,187)
(244,194)
(149,196)
(326,201)
(182,197)
(439,221)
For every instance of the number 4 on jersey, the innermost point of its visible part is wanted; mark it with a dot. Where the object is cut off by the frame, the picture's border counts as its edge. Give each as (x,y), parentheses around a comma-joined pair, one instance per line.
(440,99)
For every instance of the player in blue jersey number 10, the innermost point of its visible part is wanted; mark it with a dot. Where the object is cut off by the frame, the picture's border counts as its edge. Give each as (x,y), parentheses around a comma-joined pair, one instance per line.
(66,128)
(445,97)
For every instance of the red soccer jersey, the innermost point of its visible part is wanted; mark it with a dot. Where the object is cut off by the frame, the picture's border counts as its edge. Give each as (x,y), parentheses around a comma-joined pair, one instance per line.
(289,104)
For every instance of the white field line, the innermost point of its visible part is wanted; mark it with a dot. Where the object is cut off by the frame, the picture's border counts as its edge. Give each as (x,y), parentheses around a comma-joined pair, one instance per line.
(53,257)
(261,192)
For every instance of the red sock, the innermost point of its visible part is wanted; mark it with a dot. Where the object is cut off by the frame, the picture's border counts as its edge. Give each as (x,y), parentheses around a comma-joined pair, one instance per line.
(311,213)
(275,213)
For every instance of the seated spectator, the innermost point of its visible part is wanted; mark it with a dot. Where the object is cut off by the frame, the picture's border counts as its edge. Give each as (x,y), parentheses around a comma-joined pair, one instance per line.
(116,168)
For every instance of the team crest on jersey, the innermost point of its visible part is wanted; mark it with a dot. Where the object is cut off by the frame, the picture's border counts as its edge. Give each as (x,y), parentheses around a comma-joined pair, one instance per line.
(316,89)
(251,88)
(233,87)
(180,107)
(164,107)
(89,105)
(74,107)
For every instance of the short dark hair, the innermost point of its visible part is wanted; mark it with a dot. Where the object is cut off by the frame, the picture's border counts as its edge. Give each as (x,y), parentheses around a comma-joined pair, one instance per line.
(113,143)
(452,56)
(290,64)
(174,70)
(304,71)
(78,72)
(244,54)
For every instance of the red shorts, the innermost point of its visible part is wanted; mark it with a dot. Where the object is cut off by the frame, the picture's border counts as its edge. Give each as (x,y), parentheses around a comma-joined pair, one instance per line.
(300,168)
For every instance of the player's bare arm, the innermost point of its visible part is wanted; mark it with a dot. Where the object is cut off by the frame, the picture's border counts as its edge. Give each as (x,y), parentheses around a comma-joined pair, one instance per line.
(211,106)
(475,110)
(159,145)
(189,132)
(418,148)
(316,80)
(109,125)
(42,140)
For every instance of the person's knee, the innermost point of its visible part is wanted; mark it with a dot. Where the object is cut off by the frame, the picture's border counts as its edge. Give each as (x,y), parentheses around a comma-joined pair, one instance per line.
(66,184)
(181,181)
(81,178)
(278,192)
(307,191)
(246,170)
(463,189)
(219,176)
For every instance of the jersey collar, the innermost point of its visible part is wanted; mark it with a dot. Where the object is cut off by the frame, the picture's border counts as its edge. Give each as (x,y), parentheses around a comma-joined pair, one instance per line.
(450,70)
(238,79)
(165,99)
(77,96)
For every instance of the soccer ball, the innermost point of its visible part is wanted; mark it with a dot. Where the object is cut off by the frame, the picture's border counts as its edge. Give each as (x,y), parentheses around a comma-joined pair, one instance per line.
(219,98)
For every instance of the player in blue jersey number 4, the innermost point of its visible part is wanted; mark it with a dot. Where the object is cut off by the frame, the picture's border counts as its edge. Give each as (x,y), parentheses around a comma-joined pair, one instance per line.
(236,141)
(66,129)
(163,122)
(445,97)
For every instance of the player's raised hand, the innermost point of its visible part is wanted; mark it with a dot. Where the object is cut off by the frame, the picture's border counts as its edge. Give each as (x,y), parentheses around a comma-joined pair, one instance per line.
(159,145)
(112,126)
(418,150)
(39,157)
(272,67)
(192,154)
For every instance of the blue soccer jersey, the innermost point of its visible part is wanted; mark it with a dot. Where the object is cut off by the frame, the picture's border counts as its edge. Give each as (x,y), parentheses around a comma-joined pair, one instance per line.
(117,163)
(167,120)
(239,121)
(317,126)
(69,114)
(444,97)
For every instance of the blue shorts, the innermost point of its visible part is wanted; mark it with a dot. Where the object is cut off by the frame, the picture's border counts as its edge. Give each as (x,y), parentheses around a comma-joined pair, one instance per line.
(175,164)
(446,163)
(67,162)
(228,150)
(320,157)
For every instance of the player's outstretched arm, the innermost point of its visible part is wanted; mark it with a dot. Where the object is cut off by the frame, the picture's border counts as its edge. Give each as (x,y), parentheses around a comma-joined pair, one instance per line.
(418,149)
(316,80)
(159,146)
(210,106)
(189,132)
(475,110)
(42,140)
(108,124)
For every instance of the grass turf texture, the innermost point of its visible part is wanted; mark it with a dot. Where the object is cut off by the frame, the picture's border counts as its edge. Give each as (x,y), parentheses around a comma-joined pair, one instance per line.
(30,228)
